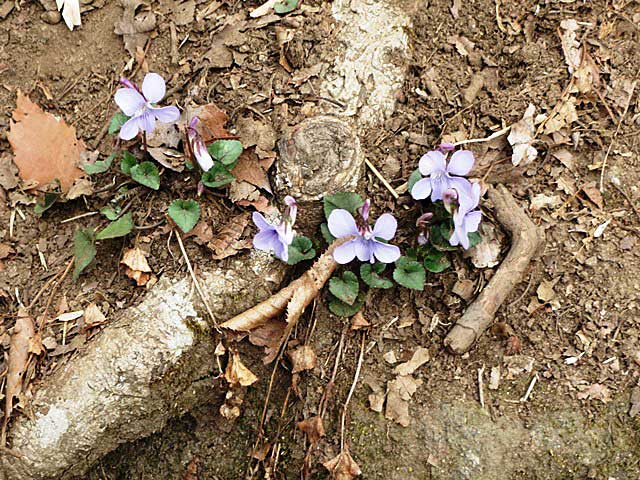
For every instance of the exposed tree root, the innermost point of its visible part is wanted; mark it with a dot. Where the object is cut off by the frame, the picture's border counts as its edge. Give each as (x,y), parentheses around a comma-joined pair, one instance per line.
(526,240)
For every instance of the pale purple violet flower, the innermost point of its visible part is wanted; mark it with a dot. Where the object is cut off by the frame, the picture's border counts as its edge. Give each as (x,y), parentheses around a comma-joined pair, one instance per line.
(365,245)
(466,220)
(441,177)
(198,146)
(140,105)
(276,238)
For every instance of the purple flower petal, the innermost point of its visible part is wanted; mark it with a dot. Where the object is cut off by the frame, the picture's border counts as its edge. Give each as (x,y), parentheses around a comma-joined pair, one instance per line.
(345,253)
(281,250)
(464,189)
(385,227)
(439,185)
(421,189)
(261,222)
(129,100)
(341,223)
(147,122)
(166,114)
(472,221)
(432,162)
(153,87)
(266,240)
(364,250)
(461,162)
(385,253)
(130,129)
(202,156)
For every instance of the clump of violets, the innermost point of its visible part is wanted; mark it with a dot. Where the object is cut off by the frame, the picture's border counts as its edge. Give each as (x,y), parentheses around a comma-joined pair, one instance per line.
(141,106)
(276,238)
(466,219)
(441,176)
(197,145)
(366,243)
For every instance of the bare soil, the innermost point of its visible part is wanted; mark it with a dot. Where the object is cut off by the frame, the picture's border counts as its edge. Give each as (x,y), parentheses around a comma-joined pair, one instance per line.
(561,431)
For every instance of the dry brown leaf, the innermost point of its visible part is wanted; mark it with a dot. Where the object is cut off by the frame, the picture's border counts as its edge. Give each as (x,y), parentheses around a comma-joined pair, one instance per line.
(303,358)
(45,148)
(8,172)
(313,428)
(566,158)
(212,122)
(82,186)
(268,336)
(256,133)
(596,391)
(521,137)
(137,267)
(487,253)
(93,316)
(342,467)
(23,332)
(191,473)
(227,241)
(562,117)
(399,392)
(202,233)
(237,373)
(5,250)
(358,321)
(419,358)
(134,29)
(250,170)
(593,193)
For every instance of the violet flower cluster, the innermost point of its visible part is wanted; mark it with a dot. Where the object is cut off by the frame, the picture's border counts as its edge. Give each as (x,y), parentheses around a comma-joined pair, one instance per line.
(445,181)
(366,243)
(276,238)
(141,106)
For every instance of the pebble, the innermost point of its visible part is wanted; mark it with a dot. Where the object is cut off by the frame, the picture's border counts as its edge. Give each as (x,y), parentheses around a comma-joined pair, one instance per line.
(51,17)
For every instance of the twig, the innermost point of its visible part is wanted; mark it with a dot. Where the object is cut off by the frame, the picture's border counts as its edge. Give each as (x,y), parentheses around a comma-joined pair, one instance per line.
(526,240)
(77,217)
(381,178)
(530,389)
(196,283)
(480,386)
(494,135)
(351,390)
(615,134)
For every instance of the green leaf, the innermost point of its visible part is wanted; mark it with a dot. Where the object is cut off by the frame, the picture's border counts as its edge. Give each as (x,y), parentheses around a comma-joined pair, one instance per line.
(436,261)
(326,234)
(127,163)
(49,200)
(409,273)
(439,236)
(146,173)
(225,151)
(185,213)
(413,179)
(342,309)
(217,176)
(300,249)
(349,201)
(111,212)
(474,239)
(371,275)
(117,121)
(84,250)
(285,6)
(346,288)
(119,228)
(100,166)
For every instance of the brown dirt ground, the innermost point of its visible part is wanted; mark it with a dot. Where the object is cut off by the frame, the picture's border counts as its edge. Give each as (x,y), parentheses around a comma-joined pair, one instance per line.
(596,290)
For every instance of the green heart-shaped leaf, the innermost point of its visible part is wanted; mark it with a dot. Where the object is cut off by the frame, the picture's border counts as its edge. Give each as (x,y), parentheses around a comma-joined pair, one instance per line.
(436,261)
(146,173)
(348,201)
(342,309)
(345,288)
(413,179)
(217,176)
(127,163)
(371,275)
(84,251)
(116,122)
(300,249)
(119,228)
(474,239)
(226,152)
(285,6)
(100,166)
(409,273)
(185,213)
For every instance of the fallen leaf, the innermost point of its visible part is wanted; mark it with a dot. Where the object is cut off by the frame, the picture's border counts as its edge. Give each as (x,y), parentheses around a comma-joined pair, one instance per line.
(303,358)
(212,122)
(463,45)
(254,132)
(419,358)
(313,428)
(399,392)
(521,137)
(134,29)
(596,391)
(168,158)
(93,316)
(390,357)
(70,12)
(23,332)
(570,44)
(302,75)
(5,250)
(376,401)
(593,193)
(191,473)
(494,378)
(263,9)
(268,336)
(566,158)
(542,200)
(45,147)
(486,254)
(137,267)
(82,186)
(8,172)
(358,321)
(249,169)
(227,241)
(184,12)
(202,233)
(342,467)
(517,365)
(237,373)
(465,289)
(563,116)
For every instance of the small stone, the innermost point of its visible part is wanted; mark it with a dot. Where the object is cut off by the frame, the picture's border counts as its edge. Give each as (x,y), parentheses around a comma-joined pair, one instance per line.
(390,357)
(51,17)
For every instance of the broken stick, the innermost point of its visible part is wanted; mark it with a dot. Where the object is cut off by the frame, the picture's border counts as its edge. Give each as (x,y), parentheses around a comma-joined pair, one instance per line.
(526,240)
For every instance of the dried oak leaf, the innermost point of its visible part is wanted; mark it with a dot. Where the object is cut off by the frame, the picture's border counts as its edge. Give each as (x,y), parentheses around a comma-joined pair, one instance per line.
(227,241)
(303,358)
(212,122)
(251,170)
(137,267)
(399,393)
(237,373)
(23,333)
(45,148)
(93,316)
(268,336)
(342,467)
(313,428)
(134,29)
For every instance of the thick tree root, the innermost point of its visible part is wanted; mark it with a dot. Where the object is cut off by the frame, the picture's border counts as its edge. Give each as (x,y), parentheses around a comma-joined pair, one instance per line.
(526,240)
